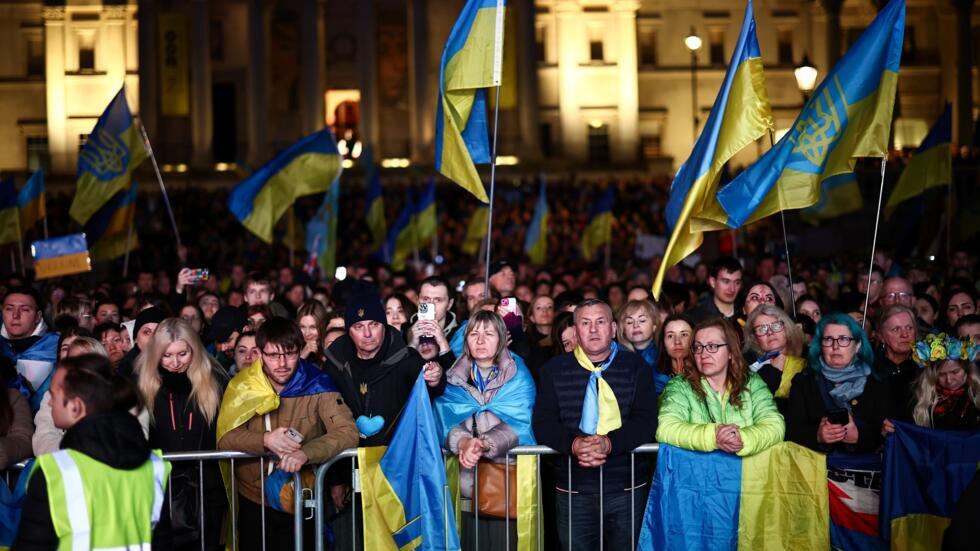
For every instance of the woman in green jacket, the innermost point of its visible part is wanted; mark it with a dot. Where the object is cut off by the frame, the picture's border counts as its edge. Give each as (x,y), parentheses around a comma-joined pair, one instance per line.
(717,403)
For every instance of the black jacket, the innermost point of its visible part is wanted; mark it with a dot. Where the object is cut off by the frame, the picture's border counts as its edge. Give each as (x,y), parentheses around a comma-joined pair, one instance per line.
(707,309)
(379,386)
(808,403)
(901,380)
(115,439)
(558,411)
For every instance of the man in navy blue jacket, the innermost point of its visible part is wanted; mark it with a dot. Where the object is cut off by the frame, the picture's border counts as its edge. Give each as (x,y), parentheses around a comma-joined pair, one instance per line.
(599,454)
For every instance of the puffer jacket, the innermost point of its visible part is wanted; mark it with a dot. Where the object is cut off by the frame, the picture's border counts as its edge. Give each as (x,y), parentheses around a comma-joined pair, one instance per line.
(687,421)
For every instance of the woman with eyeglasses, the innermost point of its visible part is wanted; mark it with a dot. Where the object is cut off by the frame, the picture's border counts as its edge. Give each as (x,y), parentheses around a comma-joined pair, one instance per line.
(776,342)
(192,314)
(717,403)
(838,404)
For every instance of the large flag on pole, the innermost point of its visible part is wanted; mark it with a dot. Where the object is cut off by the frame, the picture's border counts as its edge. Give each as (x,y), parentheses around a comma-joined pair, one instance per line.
(107,231)
(106,162)
(740,115)
(30,200)
(476,230)
(321,231)
(839,195)
(406,496)
(471,63)
(402,237)
(536,240)
(374,203)
(308,166)
(931,166)
(426,221)
(9,215)
(848,116)
(598,230)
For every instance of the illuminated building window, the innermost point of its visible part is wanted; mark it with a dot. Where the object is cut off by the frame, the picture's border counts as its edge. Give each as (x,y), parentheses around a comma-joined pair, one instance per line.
(38,154)
(651,146)
(595,50)
(35,56)
(785,41)
(716,50)
(599,143)
(539,51)
(86,51)
(648,47)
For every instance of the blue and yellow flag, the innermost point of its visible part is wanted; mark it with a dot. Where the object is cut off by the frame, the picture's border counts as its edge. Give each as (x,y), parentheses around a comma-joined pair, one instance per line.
(405,494)
(931,166)
(476,230)
(30,200)
(598,230)
(740,115)
(106,162)
(426,220)
(9,215)
(107,231)
(374,203)
(839,195)
(60,256)
(925,473)
(471,63)
(536,240)
(402,237)
(321,231)
(308,166)
(776,499)
(848,116)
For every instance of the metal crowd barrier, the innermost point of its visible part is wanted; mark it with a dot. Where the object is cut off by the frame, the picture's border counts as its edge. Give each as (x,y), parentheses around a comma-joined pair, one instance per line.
(232,456)
(318,503)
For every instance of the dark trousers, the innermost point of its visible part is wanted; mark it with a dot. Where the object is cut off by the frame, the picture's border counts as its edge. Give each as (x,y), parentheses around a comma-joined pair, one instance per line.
(280,534)
(617,531)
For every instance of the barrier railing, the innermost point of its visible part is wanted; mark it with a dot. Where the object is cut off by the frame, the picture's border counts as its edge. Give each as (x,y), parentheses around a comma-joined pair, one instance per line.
(320,492)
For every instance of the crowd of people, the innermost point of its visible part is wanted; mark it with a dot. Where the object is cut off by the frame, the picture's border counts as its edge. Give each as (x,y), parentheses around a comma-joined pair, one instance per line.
(732,356)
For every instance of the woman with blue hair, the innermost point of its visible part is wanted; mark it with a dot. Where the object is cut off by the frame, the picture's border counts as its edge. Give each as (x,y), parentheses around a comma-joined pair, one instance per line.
(838,404)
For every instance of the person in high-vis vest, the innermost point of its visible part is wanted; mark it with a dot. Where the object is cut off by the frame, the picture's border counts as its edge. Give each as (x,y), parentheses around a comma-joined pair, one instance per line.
(105,488)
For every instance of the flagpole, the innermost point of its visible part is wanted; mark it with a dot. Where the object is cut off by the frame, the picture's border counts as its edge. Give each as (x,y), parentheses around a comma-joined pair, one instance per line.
(163,189)
(782,218)
(493,181)
(874,241)
(13,262)
(20,251)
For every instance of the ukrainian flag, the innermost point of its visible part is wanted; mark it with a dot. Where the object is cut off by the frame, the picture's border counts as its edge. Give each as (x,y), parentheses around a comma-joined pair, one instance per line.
(9,215)
(740,115)
(426,220)
(931,166)
(839,195)
(321,231)
(598,230)
(471,62)
(404,490)
(107,160)
(403,236)
(848,116)
(476,231)
(374,203)
(925,472)
(776,499)
(30,201)
(107,232)
(309,166)
(536,240)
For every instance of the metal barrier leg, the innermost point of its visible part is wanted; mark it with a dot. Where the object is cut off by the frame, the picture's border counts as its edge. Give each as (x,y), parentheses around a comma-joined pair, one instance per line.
(602,539)
(632,506)
(200,512)
(353,503)
(262,489)
(298,510)
(507,499)
(569,459)
(476,506)
(234,508)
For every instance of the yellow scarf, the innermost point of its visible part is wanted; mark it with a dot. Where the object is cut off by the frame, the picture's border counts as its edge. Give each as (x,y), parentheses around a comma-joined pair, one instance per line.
(600,410)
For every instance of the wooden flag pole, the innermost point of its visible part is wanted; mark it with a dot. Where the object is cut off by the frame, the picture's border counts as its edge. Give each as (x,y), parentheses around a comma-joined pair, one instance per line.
(163,189)
(874,242)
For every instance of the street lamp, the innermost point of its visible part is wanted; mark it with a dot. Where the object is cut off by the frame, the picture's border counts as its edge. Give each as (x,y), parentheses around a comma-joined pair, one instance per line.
(693,43)
(806,77)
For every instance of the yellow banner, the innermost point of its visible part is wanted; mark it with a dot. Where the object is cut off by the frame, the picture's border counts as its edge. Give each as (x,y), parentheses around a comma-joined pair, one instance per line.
(174,77)
(62,265)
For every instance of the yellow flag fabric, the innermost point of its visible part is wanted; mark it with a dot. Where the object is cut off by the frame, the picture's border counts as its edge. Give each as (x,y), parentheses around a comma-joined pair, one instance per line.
(248,394)
(381,506)
(476,231)
(609,418)
(931,166)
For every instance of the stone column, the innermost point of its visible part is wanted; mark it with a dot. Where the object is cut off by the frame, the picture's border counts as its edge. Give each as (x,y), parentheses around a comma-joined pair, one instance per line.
(571,52)
(367,58)
(964,72)
(149,83)
(420,99)
(258,108)
(54,86)
(312,60)
(527,80)
(625,143)
(113,58)
(202,116)
(833,9)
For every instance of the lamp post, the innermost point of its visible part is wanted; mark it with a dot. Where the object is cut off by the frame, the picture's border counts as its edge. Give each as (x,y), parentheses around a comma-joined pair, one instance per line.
(693,43)
(806,77)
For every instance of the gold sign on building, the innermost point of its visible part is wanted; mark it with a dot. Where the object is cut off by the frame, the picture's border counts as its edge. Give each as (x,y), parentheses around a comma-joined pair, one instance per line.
(174,80)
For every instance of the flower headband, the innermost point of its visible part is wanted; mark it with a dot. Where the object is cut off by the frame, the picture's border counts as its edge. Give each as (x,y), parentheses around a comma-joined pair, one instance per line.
(940,347)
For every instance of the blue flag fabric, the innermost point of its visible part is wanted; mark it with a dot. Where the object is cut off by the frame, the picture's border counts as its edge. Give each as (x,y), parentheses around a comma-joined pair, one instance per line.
(12,505)
(321,231)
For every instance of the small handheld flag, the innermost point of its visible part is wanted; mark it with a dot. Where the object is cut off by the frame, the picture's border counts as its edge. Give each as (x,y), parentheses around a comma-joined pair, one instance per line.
(61,256)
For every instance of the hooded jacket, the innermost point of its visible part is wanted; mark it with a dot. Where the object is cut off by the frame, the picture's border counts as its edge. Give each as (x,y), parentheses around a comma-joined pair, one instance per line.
(115,439)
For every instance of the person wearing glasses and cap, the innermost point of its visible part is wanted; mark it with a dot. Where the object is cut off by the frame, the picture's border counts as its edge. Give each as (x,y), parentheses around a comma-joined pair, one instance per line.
(838,403)
(717,403)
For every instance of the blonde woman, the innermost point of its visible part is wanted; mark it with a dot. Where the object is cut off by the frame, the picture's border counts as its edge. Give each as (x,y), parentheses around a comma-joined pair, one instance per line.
(777,343)
(637,324)
(182,386)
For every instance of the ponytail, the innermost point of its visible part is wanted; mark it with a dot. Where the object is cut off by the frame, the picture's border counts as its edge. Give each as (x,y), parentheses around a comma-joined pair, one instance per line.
(90,378)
